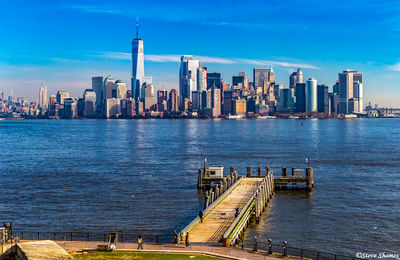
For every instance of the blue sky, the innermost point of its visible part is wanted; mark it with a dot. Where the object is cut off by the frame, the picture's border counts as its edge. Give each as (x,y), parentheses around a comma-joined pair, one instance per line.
(64,43)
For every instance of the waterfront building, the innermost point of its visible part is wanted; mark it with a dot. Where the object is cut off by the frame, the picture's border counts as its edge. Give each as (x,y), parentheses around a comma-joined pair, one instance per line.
(277,90)
(162,95)
(107,87)
(358,93)
(228,104)
(188,76)
(299,76)
(300,97)
(311,95)
(173,104)
(137,64)
(239,106)
(119,89)
(139,107)
(240,81)
(89,103)
(336,88)
(201,79)
(206,99)
(196,100)
(213,80)
(333,103)
(353,105)
(43,98)
(149,99)
(293,80)
(286,101)
(61,96)
(97,86)
(70,108)
(112,107)
(346,89)
(259,76)
(216,101)
(54,109)
(322,99)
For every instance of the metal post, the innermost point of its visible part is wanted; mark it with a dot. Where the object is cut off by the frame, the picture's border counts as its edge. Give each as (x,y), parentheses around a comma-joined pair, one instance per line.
(38,235)
(54,236)
(270,246)
(301,254)
(284,248)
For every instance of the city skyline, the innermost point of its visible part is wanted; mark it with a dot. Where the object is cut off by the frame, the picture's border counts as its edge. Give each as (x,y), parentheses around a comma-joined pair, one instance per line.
(70,66)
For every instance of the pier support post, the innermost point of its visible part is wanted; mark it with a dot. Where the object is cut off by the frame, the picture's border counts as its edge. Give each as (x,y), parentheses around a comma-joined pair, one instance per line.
(200,179)
(248,172)
(206,202)
(293,169)
(267,171)
(310,178)
(258,171)
(284,171)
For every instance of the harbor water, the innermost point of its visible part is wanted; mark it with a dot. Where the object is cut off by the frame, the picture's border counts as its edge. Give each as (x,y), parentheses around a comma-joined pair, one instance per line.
(141,176)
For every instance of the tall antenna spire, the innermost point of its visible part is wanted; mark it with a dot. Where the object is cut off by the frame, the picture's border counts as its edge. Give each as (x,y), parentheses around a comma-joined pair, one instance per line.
(137,27)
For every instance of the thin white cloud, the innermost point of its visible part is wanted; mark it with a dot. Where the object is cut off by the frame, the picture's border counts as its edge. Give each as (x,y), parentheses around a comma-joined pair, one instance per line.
(278,63)
(395,67)
(165,58)
(162,58)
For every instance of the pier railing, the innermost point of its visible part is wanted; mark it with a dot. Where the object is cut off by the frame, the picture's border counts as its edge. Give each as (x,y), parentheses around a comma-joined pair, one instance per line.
(91,236)
(289,251)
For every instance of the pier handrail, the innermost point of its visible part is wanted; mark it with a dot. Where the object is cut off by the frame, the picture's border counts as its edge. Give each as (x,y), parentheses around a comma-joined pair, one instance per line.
(242,217)
(212,205)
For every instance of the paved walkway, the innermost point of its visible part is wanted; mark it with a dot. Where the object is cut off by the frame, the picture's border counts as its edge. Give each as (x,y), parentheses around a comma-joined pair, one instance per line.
(217,222)
(218,251)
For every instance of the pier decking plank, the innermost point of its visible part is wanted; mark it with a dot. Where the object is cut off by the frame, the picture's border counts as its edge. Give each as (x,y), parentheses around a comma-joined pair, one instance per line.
(222,216)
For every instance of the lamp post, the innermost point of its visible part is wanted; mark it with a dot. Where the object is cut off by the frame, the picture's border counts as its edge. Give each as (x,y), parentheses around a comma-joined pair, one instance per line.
(308,160)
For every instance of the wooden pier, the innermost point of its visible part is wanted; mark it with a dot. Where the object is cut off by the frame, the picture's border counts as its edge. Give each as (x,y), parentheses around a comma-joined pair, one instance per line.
(232,201)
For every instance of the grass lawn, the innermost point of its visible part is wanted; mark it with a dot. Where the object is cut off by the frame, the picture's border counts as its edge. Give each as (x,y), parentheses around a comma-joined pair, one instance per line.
(98,256)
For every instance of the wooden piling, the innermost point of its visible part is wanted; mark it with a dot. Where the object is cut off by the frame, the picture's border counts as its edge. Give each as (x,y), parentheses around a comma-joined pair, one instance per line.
(248,172)
(310,178)
(267,171)
(284,171)
(200,180)
(258,171)
(293,169)
(206,202)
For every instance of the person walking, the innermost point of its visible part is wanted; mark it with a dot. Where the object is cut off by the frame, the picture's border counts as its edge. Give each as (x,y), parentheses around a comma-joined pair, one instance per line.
(175,240)
(237,212)
(201,216)
(140,242)
(187,239)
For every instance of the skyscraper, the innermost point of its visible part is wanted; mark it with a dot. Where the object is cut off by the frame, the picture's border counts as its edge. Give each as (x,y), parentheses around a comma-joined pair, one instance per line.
(322,99)
(61,95)
(149,99)
(293,80)
(213,80)
(162,95)
(108,86)
(358,93)
(173,101)
(137,63)
(300,97)
(311,95)
(299,76)
(346,90)
(89,107)
(259,76)
(119,89)
(188,76)
(97,86)
(201,79)
(43,97)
